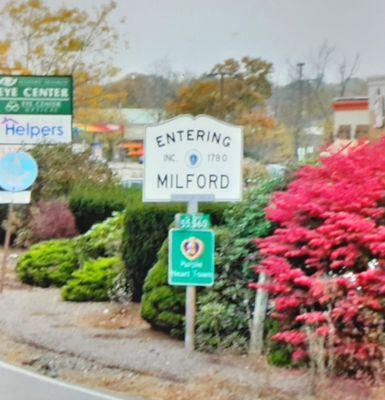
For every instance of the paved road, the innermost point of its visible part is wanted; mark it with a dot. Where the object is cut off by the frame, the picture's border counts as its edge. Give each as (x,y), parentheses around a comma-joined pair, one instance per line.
(19,384)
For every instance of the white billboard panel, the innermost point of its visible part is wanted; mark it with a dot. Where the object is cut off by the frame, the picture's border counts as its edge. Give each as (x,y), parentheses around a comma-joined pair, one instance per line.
(35,129)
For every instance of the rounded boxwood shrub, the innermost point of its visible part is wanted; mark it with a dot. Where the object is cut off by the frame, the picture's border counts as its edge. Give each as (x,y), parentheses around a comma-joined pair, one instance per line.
(93,281)
(48,263)
(163,305)
(104,239)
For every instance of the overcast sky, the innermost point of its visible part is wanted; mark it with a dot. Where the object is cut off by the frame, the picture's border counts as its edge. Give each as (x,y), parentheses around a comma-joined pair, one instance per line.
(193,35)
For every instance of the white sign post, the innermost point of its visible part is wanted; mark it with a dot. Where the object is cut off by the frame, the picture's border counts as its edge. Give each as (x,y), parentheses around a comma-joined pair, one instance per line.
(193,159)
(18,171)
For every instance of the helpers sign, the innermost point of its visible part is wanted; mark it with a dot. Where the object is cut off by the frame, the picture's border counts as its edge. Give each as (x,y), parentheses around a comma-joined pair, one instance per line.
(193,156)
(35,109)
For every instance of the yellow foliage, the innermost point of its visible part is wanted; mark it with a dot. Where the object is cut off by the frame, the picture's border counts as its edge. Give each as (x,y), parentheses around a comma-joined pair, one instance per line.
(4,48)
(238,87)
(39,51)
(264,140)
(65,41)
(34,3)
(198,98)
(89,115)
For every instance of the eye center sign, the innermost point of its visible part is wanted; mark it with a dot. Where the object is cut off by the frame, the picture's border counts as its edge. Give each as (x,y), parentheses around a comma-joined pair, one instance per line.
(193,156)
(35,109)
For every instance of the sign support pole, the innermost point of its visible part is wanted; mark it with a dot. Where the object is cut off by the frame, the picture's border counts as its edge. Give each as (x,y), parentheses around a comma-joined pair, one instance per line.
(7,243)
(189,340)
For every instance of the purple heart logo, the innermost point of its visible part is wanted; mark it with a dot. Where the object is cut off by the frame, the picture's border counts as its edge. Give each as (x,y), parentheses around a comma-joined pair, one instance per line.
(192,248)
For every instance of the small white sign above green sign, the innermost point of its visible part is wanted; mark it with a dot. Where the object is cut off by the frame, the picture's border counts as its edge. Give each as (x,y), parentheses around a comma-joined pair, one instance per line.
(191,257)
(192,221)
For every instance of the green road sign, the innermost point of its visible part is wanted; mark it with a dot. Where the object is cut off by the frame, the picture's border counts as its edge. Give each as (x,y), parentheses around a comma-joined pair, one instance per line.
(191,257)
(192,221)
(35,95)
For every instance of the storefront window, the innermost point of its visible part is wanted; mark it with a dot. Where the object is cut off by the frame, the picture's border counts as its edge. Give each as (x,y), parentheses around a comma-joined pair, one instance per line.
(344,132)
(361,131)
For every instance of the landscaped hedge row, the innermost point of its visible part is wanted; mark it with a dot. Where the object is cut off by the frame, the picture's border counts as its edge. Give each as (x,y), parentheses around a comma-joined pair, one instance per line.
(145,229)
(91,204)
(89,266)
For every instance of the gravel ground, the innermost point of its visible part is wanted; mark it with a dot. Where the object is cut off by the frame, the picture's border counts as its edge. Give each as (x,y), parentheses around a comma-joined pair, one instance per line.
(107,346)
(39,317)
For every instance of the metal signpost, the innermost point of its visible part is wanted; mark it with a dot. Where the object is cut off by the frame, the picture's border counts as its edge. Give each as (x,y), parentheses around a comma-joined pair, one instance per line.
(192,159)
(18,171)
(35,109)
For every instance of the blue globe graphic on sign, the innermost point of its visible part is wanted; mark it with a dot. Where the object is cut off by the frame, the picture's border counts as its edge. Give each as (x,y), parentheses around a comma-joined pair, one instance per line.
(18,171)
(193,158)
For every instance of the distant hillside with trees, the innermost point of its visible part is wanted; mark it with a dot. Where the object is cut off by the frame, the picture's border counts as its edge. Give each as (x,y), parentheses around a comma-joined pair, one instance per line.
(144,91)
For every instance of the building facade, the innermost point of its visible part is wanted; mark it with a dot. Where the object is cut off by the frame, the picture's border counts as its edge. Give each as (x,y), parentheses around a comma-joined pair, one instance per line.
(356,117)
(351,118)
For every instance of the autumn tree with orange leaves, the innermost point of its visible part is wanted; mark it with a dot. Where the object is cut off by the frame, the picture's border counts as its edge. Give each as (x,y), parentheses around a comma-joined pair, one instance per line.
(237,92)
(264,139)
(40,40)
(228,91)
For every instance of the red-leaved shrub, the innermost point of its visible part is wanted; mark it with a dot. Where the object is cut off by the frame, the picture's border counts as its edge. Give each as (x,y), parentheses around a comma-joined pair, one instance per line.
(51,220)
(326,259)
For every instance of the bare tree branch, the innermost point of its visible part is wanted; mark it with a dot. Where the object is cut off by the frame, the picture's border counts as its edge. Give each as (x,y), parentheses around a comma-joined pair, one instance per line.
(345,76)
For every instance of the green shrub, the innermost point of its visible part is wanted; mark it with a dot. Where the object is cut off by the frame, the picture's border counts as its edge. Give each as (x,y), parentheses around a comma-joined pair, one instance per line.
(280,357)
(104,239)
(278,353)
(94,203)
(220,323)
(224,310)
(93,281)
(234,250)
(163,305)
(48,263)
(215,318)
(145,229)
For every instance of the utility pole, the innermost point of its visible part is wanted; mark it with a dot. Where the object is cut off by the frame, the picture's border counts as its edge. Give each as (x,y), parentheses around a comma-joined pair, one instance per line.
(299,127)
(221,75)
